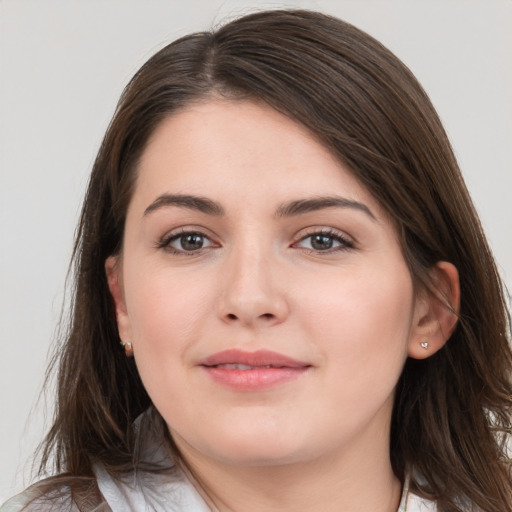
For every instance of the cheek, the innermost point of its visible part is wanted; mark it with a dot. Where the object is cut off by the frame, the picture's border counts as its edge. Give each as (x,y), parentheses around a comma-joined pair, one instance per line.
(165,315)
(165,312)
(365,318)
(362,329)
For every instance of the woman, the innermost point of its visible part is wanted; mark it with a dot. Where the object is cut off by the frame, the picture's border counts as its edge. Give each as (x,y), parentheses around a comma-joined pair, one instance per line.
(277,233)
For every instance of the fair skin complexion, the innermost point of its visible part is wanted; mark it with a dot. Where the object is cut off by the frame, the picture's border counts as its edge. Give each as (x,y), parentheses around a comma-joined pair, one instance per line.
(230,244)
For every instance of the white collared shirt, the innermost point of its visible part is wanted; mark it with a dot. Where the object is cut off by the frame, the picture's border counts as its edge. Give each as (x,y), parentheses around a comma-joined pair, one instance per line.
(157,484)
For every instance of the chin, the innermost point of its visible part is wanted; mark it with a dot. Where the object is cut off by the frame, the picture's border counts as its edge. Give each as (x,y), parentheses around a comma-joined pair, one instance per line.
(257,448)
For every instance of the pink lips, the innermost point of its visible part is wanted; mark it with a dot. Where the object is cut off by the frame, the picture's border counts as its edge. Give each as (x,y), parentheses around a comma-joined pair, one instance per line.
(252,371)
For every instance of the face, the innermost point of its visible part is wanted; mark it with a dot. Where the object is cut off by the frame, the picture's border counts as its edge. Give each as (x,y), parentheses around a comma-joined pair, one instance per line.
(263,289)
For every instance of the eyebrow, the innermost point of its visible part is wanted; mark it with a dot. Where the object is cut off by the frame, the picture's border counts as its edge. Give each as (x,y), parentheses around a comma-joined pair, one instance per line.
(291,209)
(200,204)
(302,206)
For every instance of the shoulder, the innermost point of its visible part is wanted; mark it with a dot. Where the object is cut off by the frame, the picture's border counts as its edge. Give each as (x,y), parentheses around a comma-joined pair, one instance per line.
(158,490)
(52,495)
(32,501)
(417,504)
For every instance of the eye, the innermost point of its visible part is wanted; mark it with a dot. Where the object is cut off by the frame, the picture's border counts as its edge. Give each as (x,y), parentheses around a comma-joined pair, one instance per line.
(185,242)
(324,241)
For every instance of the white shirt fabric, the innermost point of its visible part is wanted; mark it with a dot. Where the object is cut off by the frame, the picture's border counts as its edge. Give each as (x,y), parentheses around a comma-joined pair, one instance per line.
(157,484)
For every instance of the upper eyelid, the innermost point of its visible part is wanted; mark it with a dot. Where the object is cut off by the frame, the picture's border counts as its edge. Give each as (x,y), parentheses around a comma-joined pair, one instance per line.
(344,243)
(165,240)
(313,230)
(300,235)
(183,230)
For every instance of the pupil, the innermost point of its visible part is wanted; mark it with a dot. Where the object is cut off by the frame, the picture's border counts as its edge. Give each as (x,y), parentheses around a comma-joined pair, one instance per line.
(321,242)
(191,242)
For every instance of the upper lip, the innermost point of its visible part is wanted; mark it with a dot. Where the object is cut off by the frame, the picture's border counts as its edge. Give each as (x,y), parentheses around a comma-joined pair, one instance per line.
(258,358)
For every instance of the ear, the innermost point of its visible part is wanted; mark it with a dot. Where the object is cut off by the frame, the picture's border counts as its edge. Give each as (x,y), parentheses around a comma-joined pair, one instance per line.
(436,312)
(113,269)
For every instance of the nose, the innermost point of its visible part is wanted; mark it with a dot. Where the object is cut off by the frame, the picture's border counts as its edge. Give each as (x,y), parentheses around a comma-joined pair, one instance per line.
(251,292)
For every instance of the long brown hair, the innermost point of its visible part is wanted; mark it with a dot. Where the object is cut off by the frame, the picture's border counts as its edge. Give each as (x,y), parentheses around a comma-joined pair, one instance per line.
(452,410)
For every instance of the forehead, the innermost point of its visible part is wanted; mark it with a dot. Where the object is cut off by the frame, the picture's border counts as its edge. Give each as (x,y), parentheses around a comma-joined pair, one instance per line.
(224,148)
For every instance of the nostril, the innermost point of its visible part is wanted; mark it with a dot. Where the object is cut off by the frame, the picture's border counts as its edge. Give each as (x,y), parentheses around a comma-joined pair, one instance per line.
(231,316)
(267,316)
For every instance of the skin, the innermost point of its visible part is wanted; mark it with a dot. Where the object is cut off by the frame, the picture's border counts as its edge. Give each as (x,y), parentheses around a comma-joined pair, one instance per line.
(317,442)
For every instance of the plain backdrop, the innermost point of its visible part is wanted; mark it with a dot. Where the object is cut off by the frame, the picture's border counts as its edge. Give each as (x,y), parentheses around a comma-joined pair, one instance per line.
(63,65)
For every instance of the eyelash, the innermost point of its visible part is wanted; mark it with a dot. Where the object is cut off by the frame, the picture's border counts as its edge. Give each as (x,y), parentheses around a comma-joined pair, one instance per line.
(344,242)
(165,242)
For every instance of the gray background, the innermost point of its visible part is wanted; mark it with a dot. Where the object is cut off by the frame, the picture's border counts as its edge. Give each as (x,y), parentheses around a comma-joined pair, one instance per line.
(63,65)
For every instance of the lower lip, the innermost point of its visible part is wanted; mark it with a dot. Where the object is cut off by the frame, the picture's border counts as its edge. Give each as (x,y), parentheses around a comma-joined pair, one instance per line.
(258,379)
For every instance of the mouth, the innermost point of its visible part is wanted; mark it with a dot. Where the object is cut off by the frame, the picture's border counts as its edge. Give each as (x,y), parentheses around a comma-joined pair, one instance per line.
(235,359)
(238,366)
(252,371)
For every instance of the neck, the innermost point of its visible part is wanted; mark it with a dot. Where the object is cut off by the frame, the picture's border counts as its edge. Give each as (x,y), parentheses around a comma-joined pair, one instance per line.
(279,489)
(361,480)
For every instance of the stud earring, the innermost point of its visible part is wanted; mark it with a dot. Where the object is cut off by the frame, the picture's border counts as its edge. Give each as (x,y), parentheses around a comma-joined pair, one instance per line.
(128,349)
(424,344)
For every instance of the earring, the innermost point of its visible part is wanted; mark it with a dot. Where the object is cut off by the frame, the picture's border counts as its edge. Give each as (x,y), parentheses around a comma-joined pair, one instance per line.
(128,349)
(424,344)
